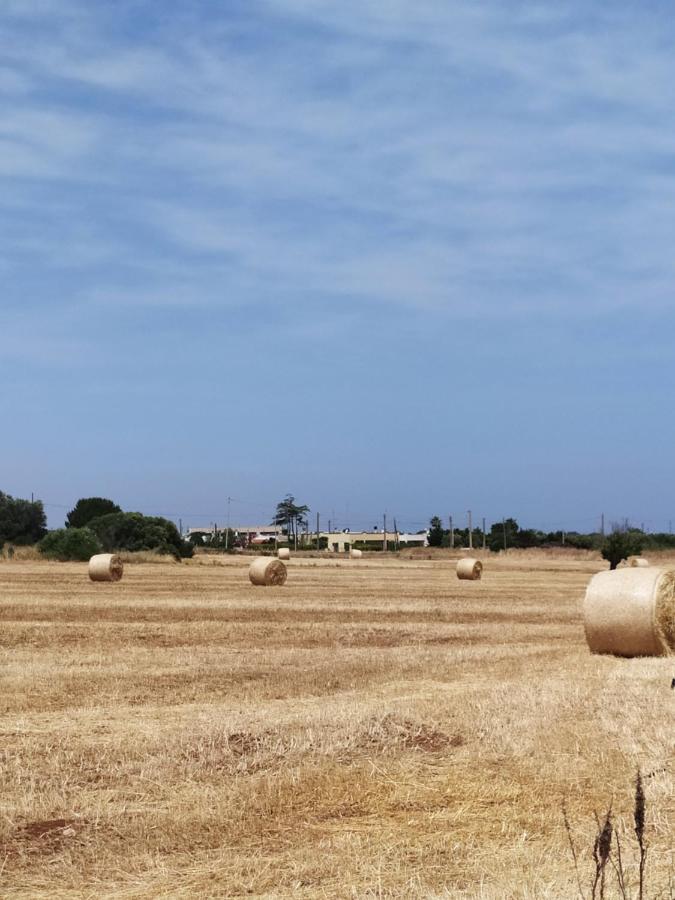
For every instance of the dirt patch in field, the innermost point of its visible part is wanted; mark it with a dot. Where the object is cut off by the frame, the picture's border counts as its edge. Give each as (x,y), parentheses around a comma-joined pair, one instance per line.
(44,836)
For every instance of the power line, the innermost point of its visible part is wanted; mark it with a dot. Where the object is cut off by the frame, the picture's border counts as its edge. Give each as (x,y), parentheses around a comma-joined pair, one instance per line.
(360,521)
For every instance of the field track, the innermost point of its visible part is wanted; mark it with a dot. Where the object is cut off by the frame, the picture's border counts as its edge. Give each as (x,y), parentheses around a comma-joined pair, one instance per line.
(374,728)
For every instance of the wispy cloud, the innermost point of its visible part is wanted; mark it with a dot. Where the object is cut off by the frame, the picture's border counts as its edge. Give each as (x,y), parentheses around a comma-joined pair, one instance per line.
(433,155)
(454,210)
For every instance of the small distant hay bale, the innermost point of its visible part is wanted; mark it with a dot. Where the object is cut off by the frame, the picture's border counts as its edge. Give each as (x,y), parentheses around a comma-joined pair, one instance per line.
(637,562)
(267,571)
(284,553)
(631,612)
(355,554)
(469,569)
(105,567)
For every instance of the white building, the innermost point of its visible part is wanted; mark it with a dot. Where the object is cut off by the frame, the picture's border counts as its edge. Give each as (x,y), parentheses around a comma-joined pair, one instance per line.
(342,541)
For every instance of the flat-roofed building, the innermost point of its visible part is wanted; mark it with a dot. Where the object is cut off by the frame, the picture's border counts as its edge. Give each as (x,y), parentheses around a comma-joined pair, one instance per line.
(342,541)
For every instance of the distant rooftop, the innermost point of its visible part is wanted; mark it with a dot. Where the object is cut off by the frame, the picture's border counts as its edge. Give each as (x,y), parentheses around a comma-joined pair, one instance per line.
(242,529)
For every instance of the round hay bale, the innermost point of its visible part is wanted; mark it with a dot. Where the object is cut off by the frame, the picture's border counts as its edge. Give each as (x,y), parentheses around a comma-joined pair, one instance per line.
(267,571)
(631,612)
(284,553)
(355,554)
(105,567)
(637,562)
(469,569)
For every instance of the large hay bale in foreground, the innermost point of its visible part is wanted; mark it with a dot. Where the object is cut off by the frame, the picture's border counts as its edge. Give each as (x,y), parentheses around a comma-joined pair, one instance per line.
(105,567)
(631,612)
(267,571)
(355,554)
(469,569)
(284,553)
(637,562)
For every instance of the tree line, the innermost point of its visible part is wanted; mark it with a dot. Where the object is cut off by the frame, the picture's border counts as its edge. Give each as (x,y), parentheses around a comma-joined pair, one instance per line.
(94,525)
(623,540)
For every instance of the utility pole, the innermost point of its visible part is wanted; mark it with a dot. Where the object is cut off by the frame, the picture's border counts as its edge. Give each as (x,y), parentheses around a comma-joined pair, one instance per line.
(484,536)
(670,526)
(384,531)
(180,527)
(563,538)
(602,524)
(452,534)
(504,527)
(395,535)
(318,533)
(470,531)
(227,532)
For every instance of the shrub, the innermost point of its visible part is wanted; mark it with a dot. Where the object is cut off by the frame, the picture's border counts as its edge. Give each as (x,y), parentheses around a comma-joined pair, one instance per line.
(69,544)
(620,545)
(659,541)
(581,541)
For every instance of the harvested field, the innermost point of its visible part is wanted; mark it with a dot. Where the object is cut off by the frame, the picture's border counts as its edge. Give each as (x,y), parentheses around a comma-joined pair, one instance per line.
(371,729)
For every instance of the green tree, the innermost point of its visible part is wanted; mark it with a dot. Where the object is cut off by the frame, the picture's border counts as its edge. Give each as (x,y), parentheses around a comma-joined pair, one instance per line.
(224,540)
(528,537)
(620,545)
(435,534)
(508,527)
(21,521)
(69,544)
(291,515)
(220,540)
(88,508)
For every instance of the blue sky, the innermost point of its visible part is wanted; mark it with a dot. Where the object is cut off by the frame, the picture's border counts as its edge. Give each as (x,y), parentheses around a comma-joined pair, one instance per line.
(412,257)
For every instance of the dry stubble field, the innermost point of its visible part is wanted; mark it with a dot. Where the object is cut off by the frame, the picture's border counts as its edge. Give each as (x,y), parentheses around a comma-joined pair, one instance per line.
(372,729)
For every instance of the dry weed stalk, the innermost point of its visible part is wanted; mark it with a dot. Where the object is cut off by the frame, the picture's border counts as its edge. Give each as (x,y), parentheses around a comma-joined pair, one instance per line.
(602,848)
(639,821)
(568,831)
(603,852)
(618,867)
